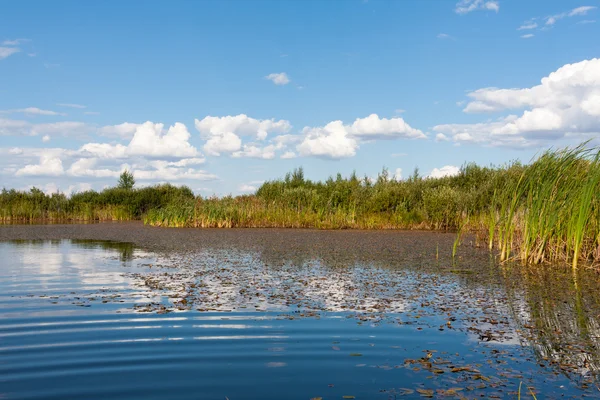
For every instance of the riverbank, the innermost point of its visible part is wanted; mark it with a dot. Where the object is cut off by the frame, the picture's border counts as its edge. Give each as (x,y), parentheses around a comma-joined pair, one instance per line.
(335,245)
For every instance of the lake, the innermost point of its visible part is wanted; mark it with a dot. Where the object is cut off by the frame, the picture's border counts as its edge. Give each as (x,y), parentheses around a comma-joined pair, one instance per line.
(84,319)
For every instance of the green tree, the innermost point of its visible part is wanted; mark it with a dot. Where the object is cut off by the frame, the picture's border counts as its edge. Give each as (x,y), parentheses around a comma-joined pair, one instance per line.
(126,180)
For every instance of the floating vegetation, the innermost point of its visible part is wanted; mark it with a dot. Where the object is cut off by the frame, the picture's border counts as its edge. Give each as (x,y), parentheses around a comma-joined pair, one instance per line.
(473,330)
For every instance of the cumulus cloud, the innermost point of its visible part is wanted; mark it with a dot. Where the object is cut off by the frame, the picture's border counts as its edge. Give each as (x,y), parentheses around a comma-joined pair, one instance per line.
(253,151)
(149,140)
(467,6)
(398,174)
(46,138)
(373,127)
(288,155)
(440,137)
(279,78)
(222,134)
(336,140)
(448,170)
(164,171)
(126,130)
(240,125)
(527,36)
(330,141)
(49,165)
(247,188)
(565,104)
(86,167)
(227,142)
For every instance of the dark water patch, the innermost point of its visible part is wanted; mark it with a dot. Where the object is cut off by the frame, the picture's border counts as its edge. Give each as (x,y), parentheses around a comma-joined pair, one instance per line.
(81,319)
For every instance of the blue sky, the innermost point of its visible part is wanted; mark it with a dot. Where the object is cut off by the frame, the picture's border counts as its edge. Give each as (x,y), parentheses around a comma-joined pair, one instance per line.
(247,90)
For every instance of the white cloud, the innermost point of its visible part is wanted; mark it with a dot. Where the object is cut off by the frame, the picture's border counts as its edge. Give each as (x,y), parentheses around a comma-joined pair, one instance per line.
(253,151)
(104,150)
(440,137)
(49,166)
(527,36)
(288,155)
(330,141)
(336,140)
(240,125)
(467,6)
(398,174)
(576,12)
(528,25)
(227,142)
(565,105)
(71,105)
(373,127)
(186,162)
(280,78)
(149,140)
(126,130)
(11,127)
(15,151)
(46,138)
(86,167)
(587,21)
(91,113)
(247,188)
(8,51)
(64,128)
(448,170)
(444,36)
(581,10)
(222,134)
(32,111)
(15,42)
(164,172)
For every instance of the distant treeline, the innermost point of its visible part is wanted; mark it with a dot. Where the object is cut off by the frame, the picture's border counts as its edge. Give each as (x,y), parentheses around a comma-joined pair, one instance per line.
(548,210)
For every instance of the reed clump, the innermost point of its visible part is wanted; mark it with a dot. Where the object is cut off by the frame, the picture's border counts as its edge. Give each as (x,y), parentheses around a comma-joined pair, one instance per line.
(551,213)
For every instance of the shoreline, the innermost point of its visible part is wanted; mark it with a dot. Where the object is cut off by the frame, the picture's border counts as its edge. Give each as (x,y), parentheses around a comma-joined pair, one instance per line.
(342,245)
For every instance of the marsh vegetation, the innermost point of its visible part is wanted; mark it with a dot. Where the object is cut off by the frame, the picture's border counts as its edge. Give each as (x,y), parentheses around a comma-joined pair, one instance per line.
(547,210)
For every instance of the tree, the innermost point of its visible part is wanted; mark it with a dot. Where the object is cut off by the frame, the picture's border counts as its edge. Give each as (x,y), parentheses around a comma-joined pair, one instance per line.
(126,180)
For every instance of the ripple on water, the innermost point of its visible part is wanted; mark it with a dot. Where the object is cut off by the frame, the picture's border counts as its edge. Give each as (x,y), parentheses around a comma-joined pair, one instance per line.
(69,329)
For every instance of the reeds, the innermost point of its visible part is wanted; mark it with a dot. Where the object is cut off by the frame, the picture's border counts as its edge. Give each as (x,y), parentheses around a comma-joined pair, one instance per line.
(551,213)
(547,211)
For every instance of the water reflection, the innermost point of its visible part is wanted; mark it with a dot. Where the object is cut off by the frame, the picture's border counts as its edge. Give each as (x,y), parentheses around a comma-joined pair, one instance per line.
(474,315)
(558,313)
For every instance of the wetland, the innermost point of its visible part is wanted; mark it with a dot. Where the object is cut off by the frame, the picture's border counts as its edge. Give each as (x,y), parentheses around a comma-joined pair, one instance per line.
(123,310)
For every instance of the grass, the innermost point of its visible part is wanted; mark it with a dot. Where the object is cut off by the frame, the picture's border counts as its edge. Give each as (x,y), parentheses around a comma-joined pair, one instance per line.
(547,211)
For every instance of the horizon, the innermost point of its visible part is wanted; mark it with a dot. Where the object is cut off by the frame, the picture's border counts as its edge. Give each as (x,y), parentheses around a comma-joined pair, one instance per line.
(221,96)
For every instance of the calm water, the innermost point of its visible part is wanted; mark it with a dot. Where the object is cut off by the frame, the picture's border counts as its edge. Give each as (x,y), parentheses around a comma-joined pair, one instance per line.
(87,320)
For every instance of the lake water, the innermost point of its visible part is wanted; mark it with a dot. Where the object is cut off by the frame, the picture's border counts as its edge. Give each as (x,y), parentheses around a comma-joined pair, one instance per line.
(97,320)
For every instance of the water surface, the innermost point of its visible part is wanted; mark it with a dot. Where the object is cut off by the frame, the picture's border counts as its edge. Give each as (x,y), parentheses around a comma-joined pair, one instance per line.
(89,320)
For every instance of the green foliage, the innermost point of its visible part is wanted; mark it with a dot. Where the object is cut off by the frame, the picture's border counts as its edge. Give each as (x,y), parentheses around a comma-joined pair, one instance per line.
(126,180)
(110,204)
